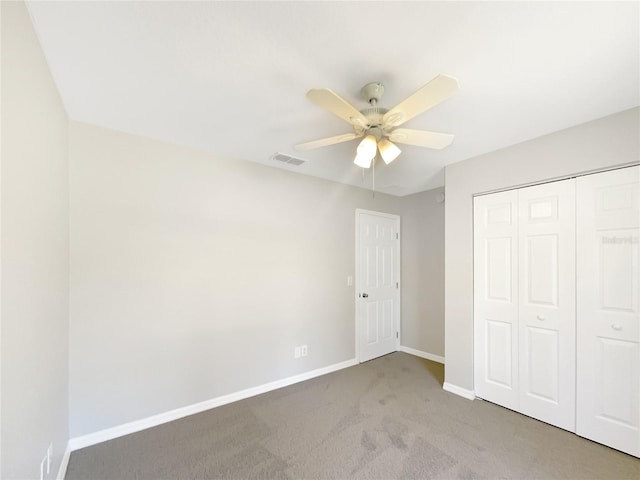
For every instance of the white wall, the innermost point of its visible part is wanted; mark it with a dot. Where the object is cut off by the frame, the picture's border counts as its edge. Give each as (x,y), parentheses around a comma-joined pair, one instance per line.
(423,272)
(194,276)
(603,143)
(34,261)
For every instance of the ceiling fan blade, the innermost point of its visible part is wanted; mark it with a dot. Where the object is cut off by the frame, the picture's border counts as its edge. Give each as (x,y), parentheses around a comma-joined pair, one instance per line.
(334,103)
(434,92)
(421,138)
(323,142)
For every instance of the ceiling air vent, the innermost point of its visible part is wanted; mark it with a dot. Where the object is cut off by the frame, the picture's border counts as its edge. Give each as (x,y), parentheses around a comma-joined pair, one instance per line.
(281,157)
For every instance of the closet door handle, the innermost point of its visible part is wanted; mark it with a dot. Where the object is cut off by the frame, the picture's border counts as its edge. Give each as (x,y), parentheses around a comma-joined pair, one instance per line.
(540,317)
(616,326)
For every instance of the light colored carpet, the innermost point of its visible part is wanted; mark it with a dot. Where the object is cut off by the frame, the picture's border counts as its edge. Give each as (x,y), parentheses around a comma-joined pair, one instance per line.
(387,418)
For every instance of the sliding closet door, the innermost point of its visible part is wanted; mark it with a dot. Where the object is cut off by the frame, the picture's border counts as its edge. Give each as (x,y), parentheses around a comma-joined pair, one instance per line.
(608,406)
(546,302)
(496,298)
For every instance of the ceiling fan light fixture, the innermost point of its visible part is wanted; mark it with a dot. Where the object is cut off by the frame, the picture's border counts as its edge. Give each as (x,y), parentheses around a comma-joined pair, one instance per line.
(362,161)
(366,152)
(388,150)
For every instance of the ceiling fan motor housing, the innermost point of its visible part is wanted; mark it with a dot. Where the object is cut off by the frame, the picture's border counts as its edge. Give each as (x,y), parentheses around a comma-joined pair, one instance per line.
(372,92)
(374,117)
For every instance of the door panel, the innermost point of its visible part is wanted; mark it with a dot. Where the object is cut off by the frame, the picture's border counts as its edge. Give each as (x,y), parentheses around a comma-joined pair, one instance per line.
(388,319)
(543,349)
(608,332)
(546,238)
(618,262)
(499,348)
(387,263)
(615,401)
(371,322)
(542,266)
(495,298)
(498,264)
(379,270)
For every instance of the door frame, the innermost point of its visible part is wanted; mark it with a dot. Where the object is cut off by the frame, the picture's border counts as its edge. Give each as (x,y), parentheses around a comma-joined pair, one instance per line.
(358,280)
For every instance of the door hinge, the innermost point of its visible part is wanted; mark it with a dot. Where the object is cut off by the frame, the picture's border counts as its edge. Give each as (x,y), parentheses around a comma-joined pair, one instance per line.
(397,285)
(397,236)
(397,334)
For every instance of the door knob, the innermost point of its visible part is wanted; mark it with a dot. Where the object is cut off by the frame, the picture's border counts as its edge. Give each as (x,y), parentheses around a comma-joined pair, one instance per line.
(616,326)
(540,317)
(365,295)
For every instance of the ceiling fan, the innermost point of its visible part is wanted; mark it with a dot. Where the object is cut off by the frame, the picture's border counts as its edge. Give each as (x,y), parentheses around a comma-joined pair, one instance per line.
(379,126)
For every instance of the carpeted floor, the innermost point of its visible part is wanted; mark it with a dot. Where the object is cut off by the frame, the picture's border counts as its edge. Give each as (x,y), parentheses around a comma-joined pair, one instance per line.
(388,418)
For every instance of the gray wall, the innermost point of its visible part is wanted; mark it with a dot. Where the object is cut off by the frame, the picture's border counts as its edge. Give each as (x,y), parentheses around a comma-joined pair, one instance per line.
(603,143)
(423,272)
(35,255)
(194,276)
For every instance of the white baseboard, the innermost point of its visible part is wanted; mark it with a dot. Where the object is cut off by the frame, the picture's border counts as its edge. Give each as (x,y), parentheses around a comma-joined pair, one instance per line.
(418,353)
(155,420)
(62,471)
(463,392)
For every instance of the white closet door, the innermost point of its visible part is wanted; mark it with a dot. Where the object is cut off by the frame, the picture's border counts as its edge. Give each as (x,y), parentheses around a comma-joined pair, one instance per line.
(495,298)
(546,313)
(608,406)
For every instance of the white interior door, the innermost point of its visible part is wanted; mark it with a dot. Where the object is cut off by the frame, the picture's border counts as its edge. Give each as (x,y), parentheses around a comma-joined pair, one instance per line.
(496,298)
(546,302)
(608,331)
(377,284)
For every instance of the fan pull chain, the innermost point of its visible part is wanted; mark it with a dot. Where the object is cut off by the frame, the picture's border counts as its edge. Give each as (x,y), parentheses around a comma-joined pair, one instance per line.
(373,182)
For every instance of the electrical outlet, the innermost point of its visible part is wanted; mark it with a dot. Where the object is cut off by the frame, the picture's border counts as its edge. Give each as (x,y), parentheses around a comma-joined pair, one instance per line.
(296,352)
(303,351)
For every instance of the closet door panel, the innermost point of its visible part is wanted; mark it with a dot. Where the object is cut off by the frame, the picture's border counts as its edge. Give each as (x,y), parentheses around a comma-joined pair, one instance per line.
(495,298)
(608,331)
(546,237)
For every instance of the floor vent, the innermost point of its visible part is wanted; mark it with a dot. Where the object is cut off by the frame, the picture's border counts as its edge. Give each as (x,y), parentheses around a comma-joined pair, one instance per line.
(281,157)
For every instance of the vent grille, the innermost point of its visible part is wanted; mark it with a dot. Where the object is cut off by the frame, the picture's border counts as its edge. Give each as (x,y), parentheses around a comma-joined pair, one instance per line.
(284,158)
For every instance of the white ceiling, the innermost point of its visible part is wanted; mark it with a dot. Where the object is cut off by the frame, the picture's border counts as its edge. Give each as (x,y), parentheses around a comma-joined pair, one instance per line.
(230,77)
